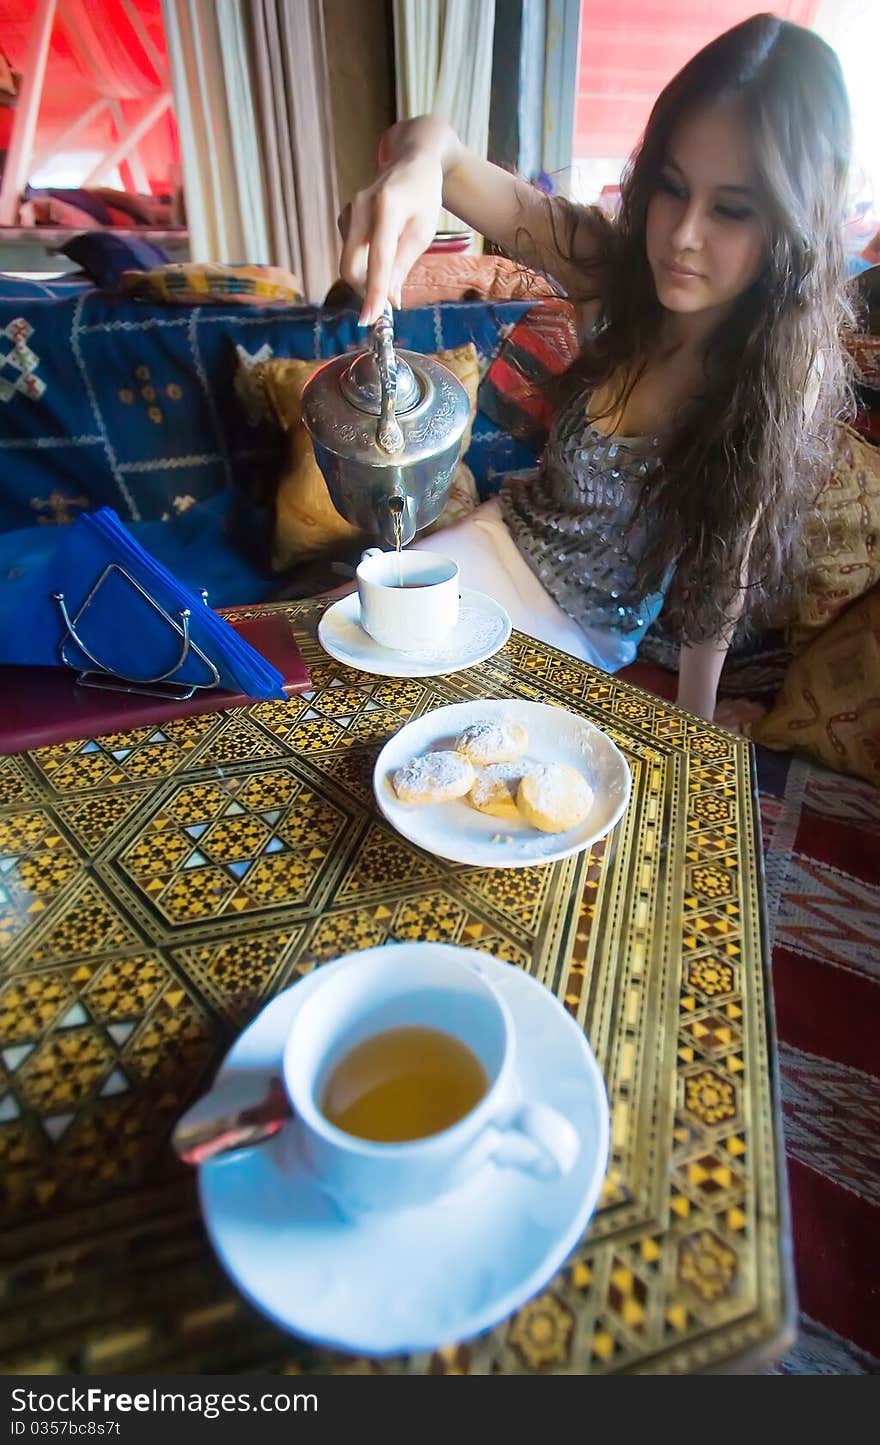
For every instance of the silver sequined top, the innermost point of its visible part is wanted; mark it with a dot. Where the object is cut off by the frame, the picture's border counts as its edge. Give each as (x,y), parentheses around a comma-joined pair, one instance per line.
(570,519)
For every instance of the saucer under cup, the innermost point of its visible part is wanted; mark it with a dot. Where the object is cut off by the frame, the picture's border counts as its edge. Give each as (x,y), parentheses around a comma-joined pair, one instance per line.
(482,629)
(391,1282)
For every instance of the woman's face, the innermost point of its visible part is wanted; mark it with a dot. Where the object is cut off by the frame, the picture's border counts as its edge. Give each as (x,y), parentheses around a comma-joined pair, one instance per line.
(705,235)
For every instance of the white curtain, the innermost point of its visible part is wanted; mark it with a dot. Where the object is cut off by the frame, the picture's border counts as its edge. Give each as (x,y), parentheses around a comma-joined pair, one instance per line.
(852,28)
(252,105)
(443,62)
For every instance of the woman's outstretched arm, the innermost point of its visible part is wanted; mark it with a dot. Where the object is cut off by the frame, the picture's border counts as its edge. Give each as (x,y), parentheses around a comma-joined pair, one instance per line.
(423,166)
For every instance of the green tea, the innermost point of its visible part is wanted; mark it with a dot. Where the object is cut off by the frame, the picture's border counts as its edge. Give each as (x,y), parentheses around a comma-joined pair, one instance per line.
(402,1084)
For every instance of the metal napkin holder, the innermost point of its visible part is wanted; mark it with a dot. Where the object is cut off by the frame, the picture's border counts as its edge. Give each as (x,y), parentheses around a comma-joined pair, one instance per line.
(162,685)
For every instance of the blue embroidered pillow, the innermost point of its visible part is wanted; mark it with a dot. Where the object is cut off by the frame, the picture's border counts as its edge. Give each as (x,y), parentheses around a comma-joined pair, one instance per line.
(104,256)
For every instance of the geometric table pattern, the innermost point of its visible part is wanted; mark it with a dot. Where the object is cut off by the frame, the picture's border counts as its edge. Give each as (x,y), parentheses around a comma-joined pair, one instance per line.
(158,886)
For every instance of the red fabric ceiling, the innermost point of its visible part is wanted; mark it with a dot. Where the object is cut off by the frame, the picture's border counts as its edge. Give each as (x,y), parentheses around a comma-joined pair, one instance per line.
(629,49)
(70,86)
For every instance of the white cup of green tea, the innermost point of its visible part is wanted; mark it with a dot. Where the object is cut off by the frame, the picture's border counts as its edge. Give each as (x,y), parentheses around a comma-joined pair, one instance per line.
(409,600)
(402,1081)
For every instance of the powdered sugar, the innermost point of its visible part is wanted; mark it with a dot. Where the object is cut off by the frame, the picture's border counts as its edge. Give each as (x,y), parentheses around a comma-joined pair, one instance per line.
(489,741)
(556,791)
(492,781)
(446,774)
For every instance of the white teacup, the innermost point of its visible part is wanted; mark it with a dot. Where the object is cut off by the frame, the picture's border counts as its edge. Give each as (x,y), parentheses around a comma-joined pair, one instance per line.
(448,989)
(409,600)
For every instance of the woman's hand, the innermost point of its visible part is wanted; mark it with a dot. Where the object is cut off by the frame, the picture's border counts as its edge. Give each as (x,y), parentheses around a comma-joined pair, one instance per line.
(738,714)
(388,226)
(425,166)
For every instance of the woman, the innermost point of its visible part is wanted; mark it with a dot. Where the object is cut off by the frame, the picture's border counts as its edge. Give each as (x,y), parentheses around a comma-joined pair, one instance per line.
(685,451)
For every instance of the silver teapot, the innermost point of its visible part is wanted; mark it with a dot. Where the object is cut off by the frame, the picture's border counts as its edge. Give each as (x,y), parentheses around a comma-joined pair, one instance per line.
(386,427)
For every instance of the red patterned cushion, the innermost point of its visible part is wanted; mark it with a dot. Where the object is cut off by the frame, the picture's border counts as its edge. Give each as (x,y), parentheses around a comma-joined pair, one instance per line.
(516,391)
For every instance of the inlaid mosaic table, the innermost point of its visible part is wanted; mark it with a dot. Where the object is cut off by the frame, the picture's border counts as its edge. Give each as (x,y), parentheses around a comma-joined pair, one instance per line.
(158,886)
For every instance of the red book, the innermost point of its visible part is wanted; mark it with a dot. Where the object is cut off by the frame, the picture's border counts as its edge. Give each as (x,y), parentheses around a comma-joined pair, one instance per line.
(40,706)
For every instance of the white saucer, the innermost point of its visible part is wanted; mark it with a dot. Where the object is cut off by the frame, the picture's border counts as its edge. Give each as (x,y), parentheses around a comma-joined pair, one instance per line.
(457,831)
(482,629)
(414,1279)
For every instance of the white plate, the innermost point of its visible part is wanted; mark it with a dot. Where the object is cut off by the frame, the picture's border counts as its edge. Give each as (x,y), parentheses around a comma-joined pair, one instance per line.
(457,831)
(409,1280)
(482,629)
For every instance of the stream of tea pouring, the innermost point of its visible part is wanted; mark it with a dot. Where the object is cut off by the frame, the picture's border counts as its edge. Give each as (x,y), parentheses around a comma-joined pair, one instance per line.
(396,508)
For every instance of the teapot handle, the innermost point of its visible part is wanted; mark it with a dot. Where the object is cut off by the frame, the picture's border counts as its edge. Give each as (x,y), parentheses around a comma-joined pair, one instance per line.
(388,434)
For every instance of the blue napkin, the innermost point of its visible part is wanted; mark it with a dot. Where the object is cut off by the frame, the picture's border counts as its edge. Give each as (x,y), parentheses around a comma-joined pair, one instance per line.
(121,627)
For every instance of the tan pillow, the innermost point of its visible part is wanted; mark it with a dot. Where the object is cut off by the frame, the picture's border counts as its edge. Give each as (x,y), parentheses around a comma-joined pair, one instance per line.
(306,521)
(842,537)
(194,283)
(829,704)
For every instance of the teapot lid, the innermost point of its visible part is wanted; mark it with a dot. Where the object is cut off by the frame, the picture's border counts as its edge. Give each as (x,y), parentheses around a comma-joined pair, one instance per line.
(384,407)
(361,384)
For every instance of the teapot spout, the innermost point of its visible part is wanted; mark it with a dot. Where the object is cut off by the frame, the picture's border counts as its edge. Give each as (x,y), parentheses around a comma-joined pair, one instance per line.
(397,520)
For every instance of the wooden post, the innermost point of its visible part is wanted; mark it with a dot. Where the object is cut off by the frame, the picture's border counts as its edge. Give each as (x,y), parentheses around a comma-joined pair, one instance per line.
(21,143)
(127,142)
(135,165)
(69,134)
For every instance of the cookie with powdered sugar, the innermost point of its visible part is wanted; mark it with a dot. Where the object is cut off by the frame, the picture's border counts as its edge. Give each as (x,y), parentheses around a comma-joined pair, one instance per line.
(554,797)
(439,777)
(495,790)
(489,741)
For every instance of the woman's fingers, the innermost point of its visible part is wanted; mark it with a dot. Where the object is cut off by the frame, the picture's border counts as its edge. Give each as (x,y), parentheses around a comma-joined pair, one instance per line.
(384,230)
(356,241)
(386,144)
(382,252)
(413,241)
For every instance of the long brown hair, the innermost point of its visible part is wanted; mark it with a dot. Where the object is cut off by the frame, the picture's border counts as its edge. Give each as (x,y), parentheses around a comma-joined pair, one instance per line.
(746,448)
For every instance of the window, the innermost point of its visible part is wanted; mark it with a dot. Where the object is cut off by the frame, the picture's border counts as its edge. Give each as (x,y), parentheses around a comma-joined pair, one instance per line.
(630,49)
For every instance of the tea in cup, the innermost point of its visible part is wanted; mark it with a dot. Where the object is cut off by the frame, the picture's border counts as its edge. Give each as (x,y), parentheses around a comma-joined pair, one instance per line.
(409,600)
(403,1083)
(400,1072)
